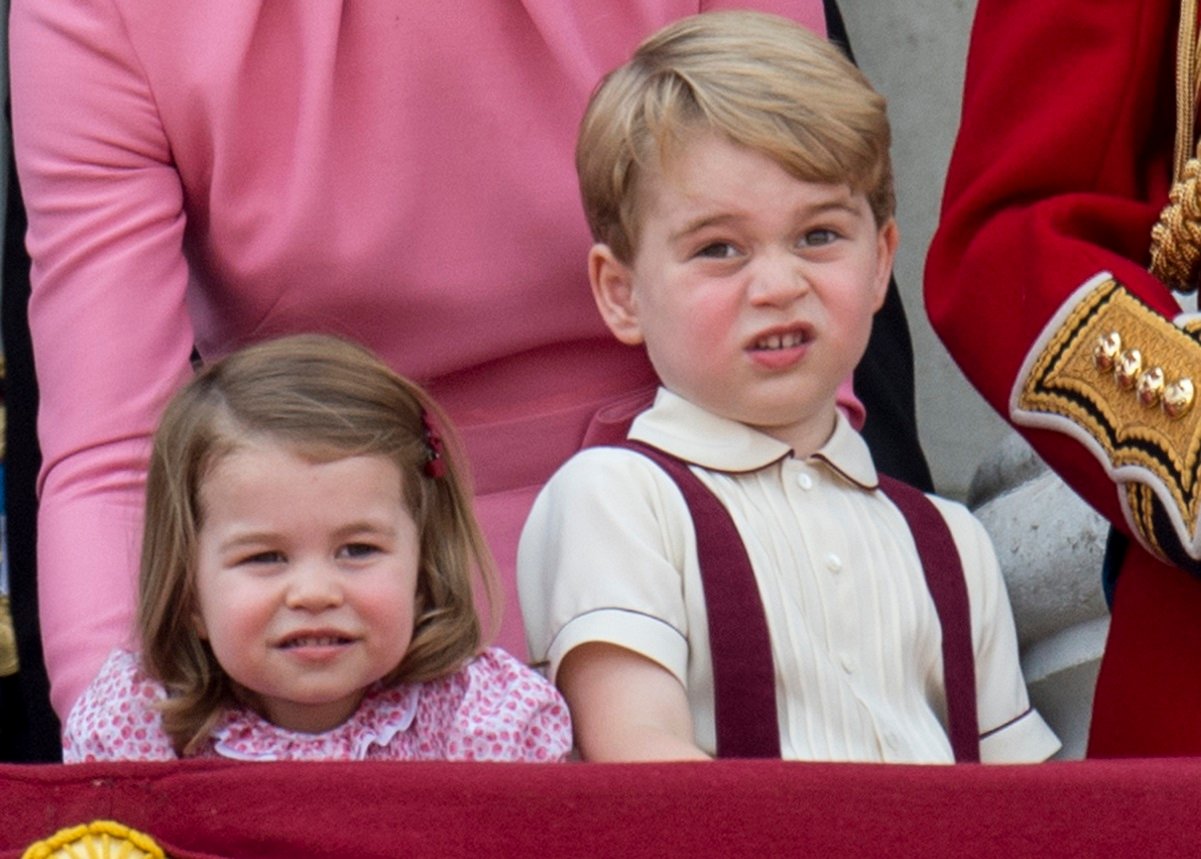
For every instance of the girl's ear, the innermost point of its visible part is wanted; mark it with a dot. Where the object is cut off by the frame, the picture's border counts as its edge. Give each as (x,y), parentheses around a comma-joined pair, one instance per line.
(199,627)
(613,290)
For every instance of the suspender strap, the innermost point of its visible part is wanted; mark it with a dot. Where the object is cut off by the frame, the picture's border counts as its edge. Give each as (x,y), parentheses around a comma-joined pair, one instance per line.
(744,683)
(744,677)
(944,579)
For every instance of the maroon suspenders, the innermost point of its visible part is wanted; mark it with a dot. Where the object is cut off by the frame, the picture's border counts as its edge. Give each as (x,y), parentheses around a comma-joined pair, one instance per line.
(744,687)
(944,579)
(744,676)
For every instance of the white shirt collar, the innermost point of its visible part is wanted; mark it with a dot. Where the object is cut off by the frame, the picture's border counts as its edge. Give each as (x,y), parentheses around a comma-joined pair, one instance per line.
(686,430)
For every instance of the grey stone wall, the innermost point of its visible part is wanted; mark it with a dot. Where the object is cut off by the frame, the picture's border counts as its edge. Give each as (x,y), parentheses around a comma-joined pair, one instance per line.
(914,51)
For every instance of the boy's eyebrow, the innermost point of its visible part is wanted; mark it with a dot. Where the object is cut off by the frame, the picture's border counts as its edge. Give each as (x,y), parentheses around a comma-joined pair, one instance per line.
(839,198)
(703,221)
(844,202)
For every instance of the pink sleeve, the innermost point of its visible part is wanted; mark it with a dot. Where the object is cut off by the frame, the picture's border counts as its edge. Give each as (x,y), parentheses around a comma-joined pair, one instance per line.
(115,719)
(110,330)
(509,713)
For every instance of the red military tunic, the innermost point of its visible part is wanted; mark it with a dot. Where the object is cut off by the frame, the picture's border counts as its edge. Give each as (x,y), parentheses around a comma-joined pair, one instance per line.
(1062,166)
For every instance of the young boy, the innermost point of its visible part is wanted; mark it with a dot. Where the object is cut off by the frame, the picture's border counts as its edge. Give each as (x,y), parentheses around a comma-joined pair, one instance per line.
(736,177)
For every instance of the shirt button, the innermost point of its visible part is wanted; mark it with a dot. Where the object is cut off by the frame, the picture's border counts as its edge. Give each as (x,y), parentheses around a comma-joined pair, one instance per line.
(848,663)
(804,481)
(833,562)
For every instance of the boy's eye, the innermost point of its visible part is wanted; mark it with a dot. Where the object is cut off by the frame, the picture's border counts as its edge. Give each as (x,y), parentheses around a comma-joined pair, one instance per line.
(818,238)
(718,250)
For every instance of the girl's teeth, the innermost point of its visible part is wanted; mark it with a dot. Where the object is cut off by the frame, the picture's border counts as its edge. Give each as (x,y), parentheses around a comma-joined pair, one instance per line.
(326,641)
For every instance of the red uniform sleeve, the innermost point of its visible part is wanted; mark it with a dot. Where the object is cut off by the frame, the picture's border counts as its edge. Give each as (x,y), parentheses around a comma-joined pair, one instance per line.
(1062,165)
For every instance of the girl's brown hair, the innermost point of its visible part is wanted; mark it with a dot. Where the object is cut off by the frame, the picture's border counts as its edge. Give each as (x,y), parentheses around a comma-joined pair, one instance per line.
(327,398)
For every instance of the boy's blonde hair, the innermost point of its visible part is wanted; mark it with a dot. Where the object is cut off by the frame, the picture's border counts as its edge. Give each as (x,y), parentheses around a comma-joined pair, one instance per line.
(763,82)
(327,399)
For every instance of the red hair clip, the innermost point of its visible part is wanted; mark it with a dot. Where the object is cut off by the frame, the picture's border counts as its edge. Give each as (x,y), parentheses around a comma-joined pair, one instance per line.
(435,466)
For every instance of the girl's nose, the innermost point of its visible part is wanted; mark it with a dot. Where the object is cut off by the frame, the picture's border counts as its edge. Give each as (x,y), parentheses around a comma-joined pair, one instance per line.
(314,586)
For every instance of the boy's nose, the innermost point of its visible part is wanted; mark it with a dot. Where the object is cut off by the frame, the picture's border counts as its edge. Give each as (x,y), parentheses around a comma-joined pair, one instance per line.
(314,586)
(778,280)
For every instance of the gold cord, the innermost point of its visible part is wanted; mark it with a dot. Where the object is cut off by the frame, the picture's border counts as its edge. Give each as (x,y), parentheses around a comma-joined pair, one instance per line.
(1176,238)
(1186,85)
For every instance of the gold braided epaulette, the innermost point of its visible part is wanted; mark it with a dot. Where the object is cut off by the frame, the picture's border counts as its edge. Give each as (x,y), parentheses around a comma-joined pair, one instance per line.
(1120,378)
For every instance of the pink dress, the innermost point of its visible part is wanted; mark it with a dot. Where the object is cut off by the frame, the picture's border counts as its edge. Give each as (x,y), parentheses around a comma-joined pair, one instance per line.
(493,709)
(398,172)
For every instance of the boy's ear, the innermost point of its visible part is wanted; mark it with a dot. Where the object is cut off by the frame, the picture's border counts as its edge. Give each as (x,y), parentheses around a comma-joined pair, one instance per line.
(613,290)
(886,252)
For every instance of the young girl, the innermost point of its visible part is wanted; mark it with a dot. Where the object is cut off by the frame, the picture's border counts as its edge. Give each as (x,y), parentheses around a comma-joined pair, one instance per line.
(306,581)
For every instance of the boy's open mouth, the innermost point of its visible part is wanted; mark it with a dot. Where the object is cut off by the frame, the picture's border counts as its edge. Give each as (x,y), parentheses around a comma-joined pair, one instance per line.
(774,342)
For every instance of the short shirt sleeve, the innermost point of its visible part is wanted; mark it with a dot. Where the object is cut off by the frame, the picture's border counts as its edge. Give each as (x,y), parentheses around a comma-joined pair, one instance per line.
(608,555)
(1011,731)
(116,718)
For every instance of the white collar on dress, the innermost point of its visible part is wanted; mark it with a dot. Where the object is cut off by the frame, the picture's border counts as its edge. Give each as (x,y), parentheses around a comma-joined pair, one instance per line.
(244,735)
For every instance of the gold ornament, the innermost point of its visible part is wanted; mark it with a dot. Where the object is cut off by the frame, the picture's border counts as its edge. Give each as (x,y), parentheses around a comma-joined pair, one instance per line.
(1178,398)
(1105,355)
(1129,365)
(1150,387)
(10,664)
(99,839)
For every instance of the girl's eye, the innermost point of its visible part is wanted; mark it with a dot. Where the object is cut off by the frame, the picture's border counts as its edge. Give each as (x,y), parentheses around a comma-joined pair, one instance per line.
(718,250)
(818,238)
(263,558)
(357,550)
